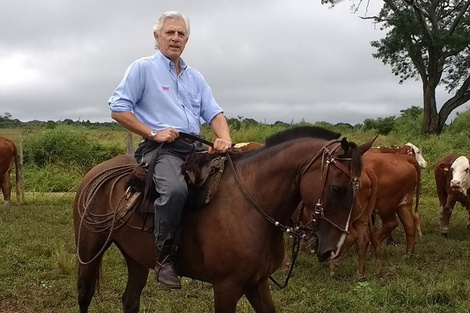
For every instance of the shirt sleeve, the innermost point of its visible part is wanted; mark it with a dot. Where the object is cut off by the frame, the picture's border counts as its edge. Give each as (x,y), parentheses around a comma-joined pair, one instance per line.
(129,90)
(209,107)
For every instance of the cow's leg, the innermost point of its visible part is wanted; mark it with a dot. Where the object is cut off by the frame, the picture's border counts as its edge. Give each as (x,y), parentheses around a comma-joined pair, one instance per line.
(445,214)
(226,296)
(6,189)
(285,260)
(466,205)
(136,279)
(349,241)
(407,219)
(391,241)
(260,298)
(389,223)
(362,243)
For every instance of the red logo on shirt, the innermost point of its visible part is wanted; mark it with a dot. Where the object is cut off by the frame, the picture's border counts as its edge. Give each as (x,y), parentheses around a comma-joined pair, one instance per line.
(165,88)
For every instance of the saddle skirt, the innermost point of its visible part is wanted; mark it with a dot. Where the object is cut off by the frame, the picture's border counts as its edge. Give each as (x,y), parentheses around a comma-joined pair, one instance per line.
(202,171)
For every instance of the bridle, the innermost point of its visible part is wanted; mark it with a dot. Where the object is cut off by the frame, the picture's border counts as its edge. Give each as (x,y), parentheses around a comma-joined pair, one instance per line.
(328,159)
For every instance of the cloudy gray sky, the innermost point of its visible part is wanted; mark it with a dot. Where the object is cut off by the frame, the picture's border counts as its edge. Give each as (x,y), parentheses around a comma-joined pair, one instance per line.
(270,60)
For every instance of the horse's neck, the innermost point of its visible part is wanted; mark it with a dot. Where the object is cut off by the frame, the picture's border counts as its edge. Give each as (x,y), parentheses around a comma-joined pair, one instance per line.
(272,178)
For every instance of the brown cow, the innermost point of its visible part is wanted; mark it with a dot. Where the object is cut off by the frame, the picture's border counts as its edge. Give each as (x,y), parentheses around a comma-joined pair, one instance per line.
(389,184)
(407,149)
(8,156)
(247,146)
(453,185)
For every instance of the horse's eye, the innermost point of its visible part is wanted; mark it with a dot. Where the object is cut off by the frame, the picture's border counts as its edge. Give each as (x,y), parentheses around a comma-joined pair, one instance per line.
(336,189)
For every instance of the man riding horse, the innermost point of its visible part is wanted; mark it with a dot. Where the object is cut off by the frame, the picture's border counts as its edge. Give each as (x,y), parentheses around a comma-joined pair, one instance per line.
(159,97)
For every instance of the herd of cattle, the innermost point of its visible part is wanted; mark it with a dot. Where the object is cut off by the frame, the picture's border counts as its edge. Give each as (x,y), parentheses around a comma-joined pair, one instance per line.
(389,186)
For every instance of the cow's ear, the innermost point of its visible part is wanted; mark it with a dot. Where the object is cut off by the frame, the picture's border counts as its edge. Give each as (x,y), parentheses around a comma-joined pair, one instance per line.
(444,166)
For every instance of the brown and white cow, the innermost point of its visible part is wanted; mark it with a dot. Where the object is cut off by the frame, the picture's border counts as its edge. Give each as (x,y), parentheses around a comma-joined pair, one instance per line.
(453,185)
(407,149)
(8,157)
(389,184)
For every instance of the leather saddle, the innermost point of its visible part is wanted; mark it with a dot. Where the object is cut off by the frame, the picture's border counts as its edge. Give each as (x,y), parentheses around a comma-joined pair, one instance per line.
(202,171)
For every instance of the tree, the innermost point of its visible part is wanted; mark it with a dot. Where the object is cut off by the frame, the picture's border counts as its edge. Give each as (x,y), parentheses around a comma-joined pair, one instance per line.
(382,125)
(430,40)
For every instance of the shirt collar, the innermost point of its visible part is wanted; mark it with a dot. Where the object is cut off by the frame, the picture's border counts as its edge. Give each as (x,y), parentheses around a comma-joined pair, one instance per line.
(168,63)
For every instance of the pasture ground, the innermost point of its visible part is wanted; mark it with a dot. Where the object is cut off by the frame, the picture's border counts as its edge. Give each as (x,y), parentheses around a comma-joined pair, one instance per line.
(38,271)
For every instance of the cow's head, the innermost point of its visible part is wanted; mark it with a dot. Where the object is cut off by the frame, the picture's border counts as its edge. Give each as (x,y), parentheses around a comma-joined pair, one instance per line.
(460,174)
(419,157)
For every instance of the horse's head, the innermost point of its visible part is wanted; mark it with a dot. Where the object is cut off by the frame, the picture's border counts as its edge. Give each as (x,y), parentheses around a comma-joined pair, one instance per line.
(332,196)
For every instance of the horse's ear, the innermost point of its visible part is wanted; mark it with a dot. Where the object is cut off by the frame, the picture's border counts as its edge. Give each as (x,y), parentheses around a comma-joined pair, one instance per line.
(366,146)
(344,144)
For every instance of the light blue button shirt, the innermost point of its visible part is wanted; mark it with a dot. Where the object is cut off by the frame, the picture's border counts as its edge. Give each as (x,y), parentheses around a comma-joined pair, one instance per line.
(160,99)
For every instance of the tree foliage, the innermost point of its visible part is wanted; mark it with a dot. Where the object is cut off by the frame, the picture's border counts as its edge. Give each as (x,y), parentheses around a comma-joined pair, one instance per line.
(428,40)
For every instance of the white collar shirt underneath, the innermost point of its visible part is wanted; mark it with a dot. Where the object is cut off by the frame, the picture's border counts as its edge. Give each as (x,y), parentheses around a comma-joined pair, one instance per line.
(160,99)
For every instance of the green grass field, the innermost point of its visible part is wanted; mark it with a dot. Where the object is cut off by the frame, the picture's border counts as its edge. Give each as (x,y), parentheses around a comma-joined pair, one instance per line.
(38,271)
(38,261)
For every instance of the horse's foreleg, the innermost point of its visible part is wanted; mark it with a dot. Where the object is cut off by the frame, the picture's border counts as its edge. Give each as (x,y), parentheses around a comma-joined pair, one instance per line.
(226,297)
(136,279)
(260,298)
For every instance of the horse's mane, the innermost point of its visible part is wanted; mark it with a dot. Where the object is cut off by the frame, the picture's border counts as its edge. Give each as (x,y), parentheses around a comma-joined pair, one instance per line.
(195,161)
(299,132)
(320,133)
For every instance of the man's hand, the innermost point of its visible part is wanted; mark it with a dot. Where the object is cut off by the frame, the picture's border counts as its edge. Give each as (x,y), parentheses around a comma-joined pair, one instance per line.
(222,144)
(167,135)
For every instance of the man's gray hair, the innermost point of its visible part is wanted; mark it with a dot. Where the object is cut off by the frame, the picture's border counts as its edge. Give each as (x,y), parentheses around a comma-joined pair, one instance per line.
(172,15)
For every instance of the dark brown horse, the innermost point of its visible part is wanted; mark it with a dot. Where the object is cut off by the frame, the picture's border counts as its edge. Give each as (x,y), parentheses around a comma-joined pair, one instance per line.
(235,242)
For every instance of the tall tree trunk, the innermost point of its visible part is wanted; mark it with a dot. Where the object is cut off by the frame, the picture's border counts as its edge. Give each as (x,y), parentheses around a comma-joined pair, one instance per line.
(432,124)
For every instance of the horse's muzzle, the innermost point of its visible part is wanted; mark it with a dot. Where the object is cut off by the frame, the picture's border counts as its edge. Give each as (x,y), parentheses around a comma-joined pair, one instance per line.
(325,256)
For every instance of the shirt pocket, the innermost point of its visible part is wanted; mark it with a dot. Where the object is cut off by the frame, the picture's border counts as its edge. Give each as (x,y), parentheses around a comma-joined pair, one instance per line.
(195,103)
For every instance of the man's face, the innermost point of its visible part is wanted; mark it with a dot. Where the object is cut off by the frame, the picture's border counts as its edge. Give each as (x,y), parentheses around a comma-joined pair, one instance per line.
(172,39)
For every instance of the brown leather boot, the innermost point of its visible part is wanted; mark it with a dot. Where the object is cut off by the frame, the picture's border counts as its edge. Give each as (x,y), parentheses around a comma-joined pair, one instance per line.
(165,271)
